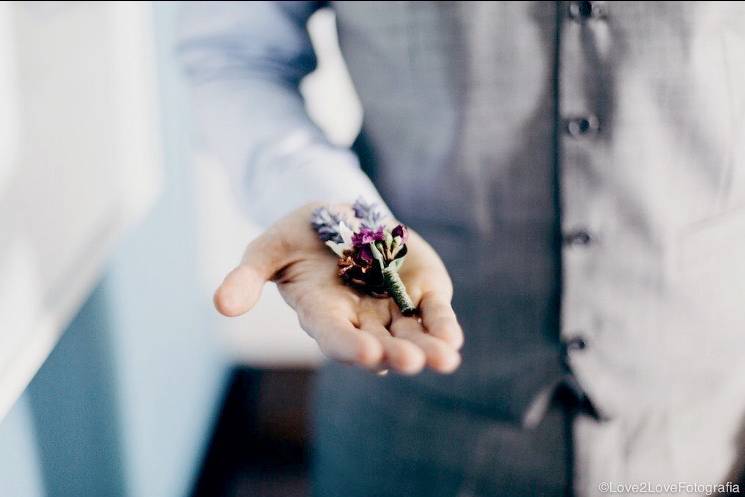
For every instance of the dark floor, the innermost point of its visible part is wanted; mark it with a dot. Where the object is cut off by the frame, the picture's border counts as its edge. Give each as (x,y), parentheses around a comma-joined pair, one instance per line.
(260,445)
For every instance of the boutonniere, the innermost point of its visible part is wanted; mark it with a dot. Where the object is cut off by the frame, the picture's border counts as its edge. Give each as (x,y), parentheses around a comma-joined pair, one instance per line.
(370,254)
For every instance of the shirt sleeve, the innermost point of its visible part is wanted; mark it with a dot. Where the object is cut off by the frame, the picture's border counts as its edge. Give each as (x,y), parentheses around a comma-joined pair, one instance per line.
(244,62)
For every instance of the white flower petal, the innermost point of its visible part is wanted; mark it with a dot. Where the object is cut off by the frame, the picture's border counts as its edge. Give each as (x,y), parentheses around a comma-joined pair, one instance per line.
(338,248)
(346,235)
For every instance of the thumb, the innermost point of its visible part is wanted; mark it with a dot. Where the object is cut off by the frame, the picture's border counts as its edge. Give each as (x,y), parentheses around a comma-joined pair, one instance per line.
(241,288)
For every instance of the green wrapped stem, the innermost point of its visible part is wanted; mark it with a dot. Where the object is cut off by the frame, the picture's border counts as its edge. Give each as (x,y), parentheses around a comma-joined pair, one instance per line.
(397,290)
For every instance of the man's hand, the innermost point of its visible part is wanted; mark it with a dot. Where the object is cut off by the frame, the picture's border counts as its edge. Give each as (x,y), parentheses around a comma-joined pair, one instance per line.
(349,326)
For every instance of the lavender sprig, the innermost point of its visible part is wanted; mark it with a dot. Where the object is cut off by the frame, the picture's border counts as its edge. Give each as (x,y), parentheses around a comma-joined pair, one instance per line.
(369,214)
(326,224)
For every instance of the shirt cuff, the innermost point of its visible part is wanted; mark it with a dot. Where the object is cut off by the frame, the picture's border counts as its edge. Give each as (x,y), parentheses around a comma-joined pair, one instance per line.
(302,169)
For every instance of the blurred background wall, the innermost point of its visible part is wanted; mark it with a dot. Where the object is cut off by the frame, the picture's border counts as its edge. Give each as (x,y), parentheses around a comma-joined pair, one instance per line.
(127,399)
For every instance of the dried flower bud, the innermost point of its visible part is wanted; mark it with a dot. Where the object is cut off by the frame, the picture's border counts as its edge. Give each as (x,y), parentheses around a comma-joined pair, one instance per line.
(401,232)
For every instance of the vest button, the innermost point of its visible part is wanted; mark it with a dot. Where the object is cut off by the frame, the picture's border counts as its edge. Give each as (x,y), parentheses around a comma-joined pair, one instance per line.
(578,238)
(579,127)
(581,11)
(575,344)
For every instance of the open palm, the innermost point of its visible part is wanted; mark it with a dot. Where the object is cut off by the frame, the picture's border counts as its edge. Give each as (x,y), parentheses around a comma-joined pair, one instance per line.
(347,325)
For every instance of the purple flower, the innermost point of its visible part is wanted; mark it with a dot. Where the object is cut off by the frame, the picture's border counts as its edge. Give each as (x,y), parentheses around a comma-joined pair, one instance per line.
(367,235)
(400,231)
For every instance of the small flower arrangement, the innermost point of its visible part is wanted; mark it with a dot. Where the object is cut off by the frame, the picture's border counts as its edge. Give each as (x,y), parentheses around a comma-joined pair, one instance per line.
(370,257)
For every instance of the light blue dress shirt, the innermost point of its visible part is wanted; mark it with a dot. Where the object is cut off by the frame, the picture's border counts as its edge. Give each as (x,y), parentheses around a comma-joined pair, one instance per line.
(245,63)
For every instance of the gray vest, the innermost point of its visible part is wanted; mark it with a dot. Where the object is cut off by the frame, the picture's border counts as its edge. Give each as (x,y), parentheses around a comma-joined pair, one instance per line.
(582,173)
(459,137)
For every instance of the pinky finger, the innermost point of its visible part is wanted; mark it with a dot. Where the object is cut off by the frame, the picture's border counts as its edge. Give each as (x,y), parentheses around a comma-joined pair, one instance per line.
(439,319)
